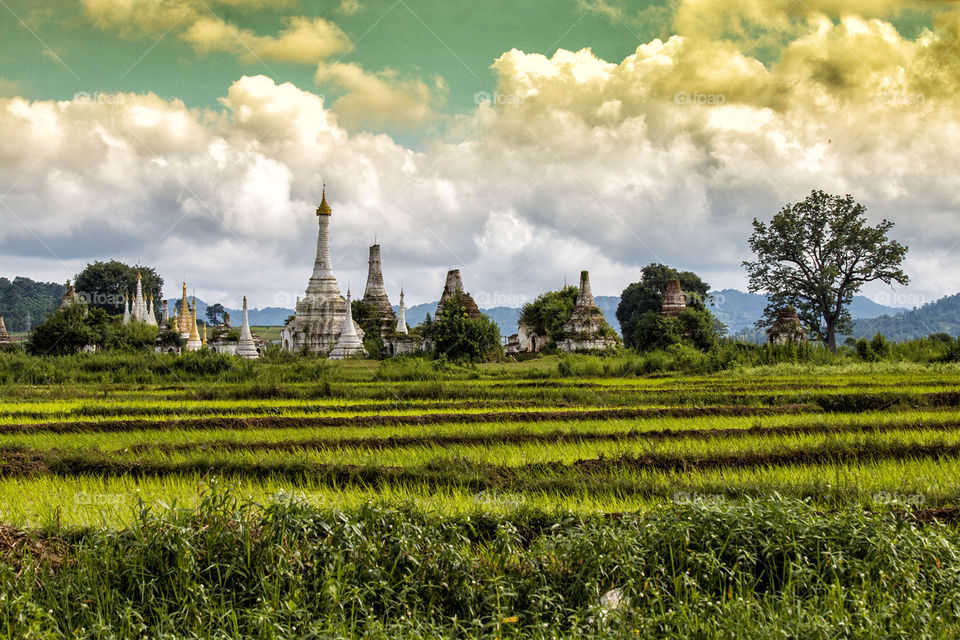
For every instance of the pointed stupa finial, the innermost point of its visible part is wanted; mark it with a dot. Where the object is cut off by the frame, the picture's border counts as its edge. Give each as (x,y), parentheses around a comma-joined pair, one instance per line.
(324,208)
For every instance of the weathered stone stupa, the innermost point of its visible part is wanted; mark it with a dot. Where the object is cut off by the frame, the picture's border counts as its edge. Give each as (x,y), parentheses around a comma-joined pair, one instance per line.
(70,297)
(674,302)
(349,343)
(787,328)
(587,329)
(320,315)
(246,347)
(4,336)
(454,284)
(375,294)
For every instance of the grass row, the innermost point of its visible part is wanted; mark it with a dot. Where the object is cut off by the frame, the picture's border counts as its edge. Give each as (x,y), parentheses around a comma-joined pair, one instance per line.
(230,568)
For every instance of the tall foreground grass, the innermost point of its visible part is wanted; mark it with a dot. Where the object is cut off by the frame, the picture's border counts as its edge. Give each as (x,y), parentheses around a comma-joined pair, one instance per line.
(770,568)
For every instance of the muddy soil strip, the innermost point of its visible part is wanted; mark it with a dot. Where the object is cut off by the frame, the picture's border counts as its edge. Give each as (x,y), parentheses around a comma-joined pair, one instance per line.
(286,422)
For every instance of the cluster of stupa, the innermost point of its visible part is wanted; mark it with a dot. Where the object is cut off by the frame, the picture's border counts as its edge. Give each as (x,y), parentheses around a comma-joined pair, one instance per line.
(184,324)
(324,322)
(140,309)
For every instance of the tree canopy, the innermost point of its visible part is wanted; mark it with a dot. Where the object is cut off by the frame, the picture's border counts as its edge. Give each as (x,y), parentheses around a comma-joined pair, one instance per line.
(815,255)
(550,311)
(103,285)
(22,298)
(640,305)
(77,326)
(215,314)
(457,335)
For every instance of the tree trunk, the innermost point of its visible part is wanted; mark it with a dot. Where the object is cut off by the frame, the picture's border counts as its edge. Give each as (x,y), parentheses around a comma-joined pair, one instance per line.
(831,336)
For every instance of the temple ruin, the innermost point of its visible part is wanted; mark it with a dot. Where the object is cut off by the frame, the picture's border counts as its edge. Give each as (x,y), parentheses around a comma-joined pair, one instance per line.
(4,336)
(787,328)
(70,297)
(587,329)
(454,284)
(674,302)
(375,295)
(320,315)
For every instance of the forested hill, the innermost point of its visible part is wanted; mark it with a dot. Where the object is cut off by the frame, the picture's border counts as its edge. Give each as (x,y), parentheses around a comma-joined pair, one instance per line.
(22,296)
(942,316)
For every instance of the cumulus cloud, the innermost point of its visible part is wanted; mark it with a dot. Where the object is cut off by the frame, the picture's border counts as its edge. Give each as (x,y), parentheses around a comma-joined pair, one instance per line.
(305,40)
(579,162)
(373,100)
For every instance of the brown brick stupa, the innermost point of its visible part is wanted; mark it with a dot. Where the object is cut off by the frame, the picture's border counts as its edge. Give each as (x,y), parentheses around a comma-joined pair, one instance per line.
(674,301)
(454,284)
(787,328)
(375,295)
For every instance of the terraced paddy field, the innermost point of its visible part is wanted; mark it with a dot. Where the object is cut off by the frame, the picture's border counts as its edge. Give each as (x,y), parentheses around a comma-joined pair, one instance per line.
(490,502)
(608,445)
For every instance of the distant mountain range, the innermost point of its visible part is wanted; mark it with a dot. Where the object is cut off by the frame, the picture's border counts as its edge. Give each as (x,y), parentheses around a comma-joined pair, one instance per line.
(736,309)
(941,316)
(740,311)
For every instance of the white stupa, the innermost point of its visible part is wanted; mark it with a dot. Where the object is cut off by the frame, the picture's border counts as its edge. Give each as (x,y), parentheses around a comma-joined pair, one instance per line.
(402,319)
(349,343)
(246,348)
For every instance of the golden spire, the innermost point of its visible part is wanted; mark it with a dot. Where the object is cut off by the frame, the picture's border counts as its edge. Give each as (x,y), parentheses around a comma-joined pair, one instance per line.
(194,334)
(324,208)
(204,334)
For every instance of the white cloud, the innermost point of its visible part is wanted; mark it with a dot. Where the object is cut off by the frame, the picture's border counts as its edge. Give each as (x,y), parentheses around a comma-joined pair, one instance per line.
(664,156)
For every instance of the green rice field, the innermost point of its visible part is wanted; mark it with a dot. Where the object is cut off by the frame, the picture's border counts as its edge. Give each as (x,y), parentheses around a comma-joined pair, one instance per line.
(605,445)
(491,501)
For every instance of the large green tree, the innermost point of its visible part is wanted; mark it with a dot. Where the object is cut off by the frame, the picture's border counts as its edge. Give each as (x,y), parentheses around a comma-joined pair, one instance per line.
(457,335)
(102,285)
(550,311)
(815,255)
(71,329)
(640,304)
(215,314)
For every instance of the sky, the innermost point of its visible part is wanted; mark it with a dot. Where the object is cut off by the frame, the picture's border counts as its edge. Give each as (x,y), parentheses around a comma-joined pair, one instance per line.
(520,141)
